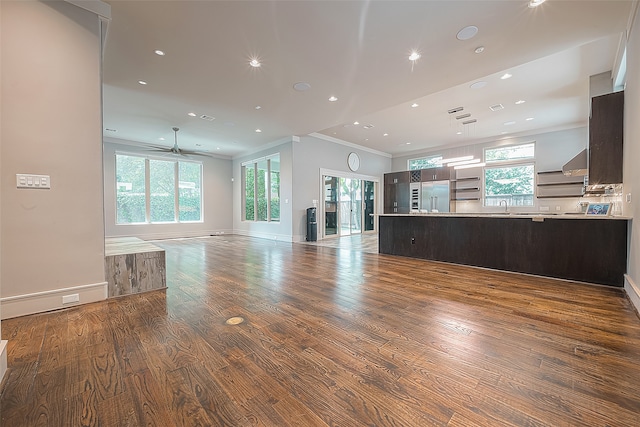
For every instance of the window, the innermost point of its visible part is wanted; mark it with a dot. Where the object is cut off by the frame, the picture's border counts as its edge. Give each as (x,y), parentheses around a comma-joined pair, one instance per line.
(261,188)
(510,153)
(512,178)
(154,190)
(425,162)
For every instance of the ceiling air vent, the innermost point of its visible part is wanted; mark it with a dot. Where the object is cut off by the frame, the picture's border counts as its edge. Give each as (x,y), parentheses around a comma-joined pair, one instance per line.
(463,116)
(468,122)
(497,107)
(207,118)
(455,110)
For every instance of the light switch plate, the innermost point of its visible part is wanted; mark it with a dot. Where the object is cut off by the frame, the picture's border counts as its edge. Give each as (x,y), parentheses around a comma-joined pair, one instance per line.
(25,180)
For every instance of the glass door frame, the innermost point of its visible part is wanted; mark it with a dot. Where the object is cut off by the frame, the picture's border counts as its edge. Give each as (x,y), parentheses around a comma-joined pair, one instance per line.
(377,207)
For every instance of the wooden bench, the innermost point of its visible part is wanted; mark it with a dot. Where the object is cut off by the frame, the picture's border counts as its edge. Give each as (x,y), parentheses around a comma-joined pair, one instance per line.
(133,265)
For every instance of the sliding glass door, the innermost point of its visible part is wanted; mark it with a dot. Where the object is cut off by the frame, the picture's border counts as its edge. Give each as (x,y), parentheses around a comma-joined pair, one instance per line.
(348,205)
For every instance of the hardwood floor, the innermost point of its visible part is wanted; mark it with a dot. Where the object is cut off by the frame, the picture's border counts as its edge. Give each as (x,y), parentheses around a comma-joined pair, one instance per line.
(330,338)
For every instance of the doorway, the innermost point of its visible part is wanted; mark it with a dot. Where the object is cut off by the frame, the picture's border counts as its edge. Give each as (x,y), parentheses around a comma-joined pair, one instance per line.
(348,205)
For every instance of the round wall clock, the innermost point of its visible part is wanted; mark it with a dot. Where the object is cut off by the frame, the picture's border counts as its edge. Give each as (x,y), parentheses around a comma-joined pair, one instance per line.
(353,160)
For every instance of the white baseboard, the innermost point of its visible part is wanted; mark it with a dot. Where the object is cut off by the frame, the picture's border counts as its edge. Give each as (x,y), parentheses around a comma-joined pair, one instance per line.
(3,358)
(633,292)
(269,236)
(172,235)
(38,302)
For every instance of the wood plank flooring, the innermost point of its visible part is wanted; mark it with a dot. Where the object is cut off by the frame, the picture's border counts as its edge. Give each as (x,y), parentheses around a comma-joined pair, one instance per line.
(331,338)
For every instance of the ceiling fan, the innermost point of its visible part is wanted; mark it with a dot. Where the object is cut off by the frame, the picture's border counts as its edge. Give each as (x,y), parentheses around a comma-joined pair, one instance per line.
(176,149)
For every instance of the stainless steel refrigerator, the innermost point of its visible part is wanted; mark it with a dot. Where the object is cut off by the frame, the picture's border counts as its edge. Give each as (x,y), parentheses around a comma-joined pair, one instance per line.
(435,196)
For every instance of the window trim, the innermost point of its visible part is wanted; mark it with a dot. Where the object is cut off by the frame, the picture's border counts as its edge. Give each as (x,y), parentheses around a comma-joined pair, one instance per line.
(434,156)
(243,172)
(147,182)
(509,161)
(504,165)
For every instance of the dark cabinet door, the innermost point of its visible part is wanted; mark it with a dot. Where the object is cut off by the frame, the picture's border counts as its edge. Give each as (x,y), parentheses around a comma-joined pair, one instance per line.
(396,192)
(605,139)
(435,174)
(403,197)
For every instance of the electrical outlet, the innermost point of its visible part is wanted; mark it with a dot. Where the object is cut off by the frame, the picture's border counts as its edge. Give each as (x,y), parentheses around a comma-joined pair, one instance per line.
(68,299)
(558,208)
(628,197)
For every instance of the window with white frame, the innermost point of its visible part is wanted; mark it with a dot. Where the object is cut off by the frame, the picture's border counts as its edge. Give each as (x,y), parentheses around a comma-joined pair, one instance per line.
(151,190)
(261,188)
(425,162)
(509,175)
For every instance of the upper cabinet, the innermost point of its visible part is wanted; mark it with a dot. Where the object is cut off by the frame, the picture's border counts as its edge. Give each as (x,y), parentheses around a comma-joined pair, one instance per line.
(605,139)
(435,174)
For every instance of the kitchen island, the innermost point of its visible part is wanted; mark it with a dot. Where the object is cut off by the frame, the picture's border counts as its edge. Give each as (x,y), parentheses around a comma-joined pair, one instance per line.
(574,247)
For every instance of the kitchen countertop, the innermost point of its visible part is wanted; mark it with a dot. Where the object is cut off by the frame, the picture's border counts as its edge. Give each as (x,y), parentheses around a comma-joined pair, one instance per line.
(536,215)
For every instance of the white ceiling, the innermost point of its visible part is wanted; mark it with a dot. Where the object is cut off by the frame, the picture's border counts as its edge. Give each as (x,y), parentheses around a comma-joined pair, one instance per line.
(357,51)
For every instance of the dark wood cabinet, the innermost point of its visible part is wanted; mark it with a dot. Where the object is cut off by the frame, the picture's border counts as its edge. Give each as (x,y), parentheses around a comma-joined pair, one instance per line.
(605,139)
(435,174)
(396,192)
(592,250)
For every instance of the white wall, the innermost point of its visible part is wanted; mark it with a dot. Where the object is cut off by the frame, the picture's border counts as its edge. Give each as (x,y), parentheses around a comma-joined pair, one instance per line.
(3,343)
(553,149)
(300,164)
(52,240)
(631,171)
(314,153)
(217,191)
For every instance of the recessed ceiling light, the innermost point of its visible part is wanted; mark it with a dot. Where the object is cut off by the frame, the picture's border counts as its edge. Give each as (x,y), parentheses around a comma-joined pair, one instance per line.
(142,82)
(479,49)
(535,3)
(366,139)
(478,85)
(161,139)
(191,114)
(258,130)
(467,33)
(459,133)
(332,99)
(529,118)
(302,86)
(521,101)
(159,52)
(217,148)
(414,56)
(385,134)
(505,76)
(257,107)
(504,132)
(255,63)
(407,143)
(414,105)
(509,123)
(356,123)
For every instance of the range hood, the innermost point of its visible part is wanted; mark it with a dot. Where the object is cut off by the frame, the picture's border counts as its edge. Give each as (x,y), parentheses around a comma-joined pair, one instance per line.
(577,166)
